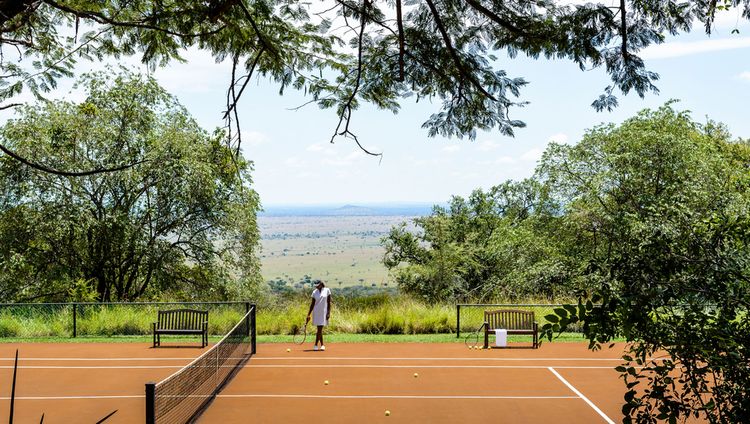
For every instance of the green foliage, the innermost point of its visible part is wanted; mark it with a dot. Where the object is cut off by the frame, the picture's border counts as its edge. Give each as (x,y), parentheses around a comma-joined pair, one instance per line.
(180,223)
(647,223)
(661,205)
(374,314)
(497,244)
(436,50)
(128,320)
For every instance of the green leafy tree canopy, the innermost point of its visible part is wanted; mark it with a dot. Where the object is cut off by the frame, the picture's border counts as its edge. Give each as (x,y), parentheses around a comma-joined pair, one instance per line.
(179,224)
(345,52)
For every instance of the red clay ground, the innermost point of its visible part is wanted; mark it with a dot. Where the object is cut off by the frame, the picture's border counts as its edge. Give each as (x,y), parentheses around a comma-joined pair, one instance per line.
(560,382)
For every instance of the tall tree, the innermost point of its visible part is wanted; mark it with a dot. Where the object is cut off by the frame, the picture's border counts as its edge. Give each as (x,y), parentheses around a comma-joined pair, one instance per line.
(345,52)
(647,223)
(663,204)
(180,223)
(498,244)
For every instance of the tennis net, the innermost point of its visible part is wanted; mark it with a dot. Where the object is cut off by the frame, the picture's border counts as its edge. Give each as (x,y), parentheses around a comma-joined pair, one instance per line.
(182,397)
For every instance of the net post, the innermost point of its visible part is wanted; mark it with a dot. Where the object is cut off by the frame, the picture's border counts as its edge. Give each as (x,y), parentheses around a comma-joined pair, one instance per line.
(150,411)
(75,312)
(247,320)
(251,329)
(458,320)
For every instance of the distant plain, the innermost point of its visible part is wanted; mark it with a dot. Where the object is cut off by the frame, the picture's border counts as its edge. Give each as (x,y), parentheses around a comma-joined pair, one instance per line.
(344,250)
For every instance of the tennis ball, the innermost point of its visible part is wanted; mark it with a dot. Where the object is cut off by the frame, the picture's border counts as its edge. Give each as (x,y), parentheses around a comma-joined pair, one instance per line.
(416,375)
(387,413)
(289,350)
(325,382)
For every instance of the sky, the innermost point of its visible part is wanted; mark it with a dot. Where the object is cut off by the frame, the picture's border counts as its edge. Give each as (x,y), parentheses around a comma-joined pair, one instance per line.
(294,163)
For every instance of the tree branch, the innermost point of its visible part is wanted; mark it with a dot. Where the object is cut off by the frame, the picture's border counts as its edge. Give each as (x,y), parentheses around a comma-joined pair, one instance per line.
(401,48)
(43,168)
(623,30)
(102,19)
(346,109)
(453,53)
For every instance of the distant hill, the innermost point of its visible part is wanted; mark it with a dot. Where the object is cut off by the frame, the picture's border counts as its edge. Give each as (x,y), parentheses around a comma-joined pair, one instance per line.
(353,210)
(395,209)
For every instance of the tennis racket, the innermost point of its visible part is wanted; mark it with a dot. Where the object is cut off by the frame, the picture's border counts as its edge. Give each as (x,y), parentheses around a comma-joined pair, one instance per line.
(301,334)
(472,339)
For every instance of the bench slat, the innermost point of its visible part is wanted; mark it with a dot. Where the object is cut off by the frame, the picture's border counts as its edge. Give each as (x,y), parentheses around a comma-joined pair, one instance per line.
(513,320)
(181,321)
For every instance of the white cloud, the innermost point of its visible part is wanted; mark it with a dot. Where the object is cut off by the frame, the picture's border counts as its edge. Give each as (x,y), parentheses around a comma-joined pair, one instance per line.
(487,146)
(254,138)
(744,76)
(679,48)
(452,148)
(344,161)
(199,75)
(504,160)
(559,138)
(464,175)
(294,162)
(532,155)
(317,147)
(728,20)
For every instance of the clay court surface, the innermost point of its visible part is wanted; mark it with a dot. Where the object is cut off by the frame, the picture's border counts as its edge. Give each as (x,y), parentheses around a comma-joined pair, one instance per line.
(560,382)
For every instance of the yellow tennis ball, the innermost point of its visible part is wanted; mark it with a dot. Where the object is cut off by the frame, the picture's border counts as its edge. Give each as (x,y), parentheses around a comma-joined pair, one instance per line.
(325,382)
(416,375)
(289,350)
(387,413)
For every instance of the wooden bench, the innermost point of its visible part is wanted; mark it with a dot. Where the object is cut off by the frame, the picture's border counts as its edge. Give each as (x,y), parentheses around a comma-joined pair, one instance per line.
(514,321)
(181,322)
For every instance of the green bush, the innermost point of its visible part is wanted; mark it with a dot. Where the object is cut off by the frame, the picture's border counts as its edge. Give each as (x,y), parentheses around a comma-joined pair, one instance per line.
(117,320)
(382,313)
(9,327)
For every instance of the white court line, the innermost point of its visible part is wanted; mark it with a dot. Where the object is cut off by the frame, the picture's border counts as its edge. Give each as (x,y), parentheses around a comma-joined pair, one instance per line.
(105,367)
(591,404)
(428,366)
(294,396)
(99,359)
(391,397)
(75,397)
(125,367)
(318,357)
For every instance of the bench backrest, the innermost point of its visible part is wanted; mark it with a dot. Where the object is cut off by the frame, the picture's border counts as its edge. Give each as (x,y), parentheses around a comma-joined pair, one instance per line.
(509,319)
(182,319)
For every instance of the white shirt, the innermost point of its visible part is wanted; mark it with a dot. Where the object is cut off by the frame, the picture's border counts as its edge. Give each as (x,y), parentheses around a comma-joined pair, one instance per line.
(320,310)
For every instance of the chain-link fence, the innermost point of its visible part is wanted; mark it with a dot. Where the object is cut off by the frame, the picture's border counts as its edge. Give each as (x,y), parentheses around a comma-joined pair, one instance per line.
(30,320)
(470,316)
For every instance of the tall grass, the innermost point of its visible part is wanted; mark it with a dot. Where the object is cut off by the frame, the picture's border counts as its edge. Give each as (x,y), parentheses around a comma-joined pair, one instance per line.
(379,314)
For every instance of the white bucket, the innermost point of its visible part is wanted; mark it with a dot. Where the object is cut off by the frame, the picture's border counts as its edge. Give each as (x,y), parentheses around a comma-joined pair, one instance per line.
(501,337)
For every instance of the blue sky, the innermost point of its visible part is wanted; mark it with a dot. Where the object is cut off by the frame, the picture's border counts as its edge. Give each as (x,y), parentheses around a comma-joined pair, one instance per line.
(295,163)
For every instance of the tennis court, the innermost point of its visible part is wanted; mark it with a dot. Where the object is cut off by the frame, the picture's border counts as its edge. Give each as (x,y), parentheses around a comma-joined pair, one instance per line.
(563,382)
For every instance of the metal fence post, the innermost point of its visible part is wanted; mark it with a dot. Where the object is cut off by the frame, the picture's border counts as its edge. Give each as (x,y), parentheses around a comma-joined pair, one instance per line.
(458,320)
(247,320)
(253,329)
(150,411)
(75,312)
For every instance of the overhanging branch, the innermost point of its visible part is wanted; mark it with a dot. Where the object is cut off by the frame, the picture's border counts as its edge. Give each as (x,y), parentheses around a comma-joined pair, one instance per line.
(43,168)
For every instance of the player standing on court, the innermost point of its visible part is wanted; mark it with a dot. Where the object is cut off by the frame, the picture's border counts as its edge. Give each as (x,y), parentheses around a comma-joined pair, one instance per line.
(320,309)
